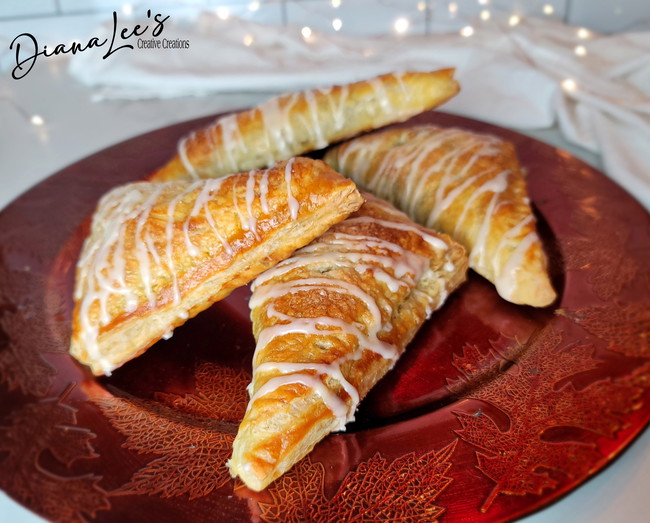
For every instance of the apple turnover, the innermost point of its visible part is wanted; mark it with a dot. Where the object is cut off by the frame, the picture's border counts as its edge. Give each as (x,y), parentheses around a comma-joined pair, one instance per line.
(296,123)
(159,253)
(465,184)
(329,322)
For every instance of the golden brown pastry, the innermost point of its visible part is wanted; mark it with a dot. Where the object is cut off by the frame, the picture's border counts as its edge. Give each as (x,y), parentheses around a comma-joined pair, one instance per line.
(330,321)
(465,184)
(159,253)
(296,123)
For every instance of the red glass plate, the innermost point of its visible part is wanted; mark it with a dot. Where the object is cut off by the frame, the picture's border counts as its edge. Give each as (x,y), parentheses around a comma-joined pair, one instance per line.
(494,411)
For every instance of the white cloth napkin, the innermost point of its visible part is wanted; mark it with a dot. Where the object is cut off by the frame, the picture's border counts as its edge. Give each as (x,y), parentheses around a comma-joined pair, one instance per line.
(530,76)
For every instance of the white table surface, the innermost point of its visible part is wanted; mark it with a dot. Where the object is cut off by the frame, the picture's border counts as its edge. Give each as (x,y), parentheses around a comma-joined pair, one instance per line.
(75,127)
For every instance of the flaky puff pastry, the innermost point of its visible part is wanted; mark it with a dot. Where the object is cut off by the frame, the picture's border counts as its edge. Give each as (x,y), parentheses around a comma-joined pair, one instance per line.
(296,123)
(465,184)
(159,253)
(329,322)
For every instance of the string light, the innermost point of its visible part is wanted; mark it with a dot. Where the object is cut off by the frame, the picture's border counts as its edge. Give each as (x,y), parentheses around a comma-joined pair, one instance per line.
(127,9)
(337,24)
(223,13)
(583,33)
(452,8)
(36,120)
(569,85)
(514,20)
(248,40)
(485,15)
(483,2)
(336,4)
(548,9)
(467,31)
(422,6)
(254,6)
(580,50)
(306,33)
(401,25)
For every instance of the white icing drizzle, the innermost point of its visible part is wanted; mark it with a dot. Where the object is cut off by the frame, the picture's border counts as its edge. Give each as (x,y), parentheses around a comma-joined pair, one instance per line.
(332,326)
(448,164)
(337,104)
(344,259)
(388,262)
(327,369)
(441,205)
(145,249)
(340,112)
(316,126)
(381,93)
(267,292)
(294,205)
(335,404)
(210,188)
(507,238)
(182,154)
(495,186)
(506,279)
(250,197)
(169,247)
(235,202)
(406,92)
(353,241)
(432,240)
(275,122)
(264,190)
(231,139)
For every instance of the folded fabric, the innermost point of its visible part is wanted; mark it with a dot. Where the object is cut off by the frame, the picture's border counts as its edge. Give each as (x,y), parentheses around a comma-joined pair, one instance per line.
(528,76)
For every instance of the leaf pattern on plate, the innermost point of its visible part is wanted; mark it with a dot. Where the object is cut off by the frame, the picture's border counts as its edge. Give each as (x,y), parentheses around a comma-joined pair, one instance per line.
(625,327)
(541,403)
(639,377)
(49,426)
(220,393)
(189,433)
(22,343)
(601,244)
(609,267)
(379,489)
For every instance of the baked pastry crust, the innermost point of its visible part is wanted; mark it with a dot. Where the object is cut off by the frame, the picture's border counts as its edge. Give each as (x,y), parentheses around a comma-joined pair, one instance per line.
(329,322)
(296,123)
(159,253)
(465,184)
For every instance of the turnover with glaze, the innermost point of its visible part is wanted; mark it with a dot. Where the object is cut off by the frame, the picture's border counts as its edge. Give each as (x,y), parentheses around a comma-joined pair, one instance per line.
(159,253)
(465,184)
(295,123)
(329,322)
